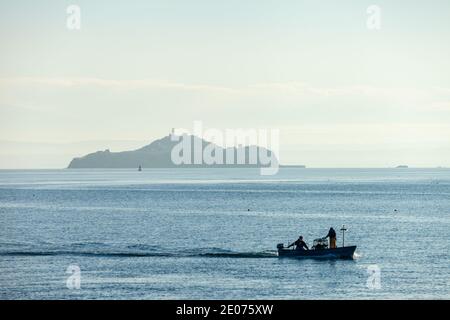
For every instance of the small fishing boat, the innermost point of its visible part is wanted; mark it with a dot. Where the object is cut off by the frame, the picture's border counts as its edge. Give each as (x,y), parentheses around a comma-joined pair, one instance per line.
(335,253)
(319,250)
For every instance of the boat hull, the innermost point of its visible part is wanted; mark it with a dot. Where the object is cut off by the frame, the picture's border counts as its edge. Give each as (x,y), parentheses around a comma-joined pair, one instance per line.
(336,253)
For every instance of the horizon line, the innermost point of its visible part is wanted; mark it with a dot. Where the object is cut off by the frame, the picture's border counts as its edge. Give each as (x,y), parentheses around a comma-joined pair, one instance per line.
(299,166)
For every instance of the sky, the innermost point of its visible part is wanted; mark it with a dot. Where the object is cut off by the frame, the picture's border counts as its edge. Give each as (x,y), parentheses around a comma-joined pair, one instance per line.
(341,94)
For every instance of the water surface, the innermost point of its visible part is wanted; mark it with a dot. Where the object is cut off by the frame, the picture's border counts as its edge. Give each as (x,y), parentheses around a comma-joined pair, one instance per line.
(211,233)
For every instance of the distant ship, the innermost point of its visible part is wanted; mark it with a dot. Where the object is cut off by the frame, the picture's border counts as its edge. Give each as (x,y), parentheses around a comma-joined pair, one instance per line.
(302,166)
(402,167)
(140,168)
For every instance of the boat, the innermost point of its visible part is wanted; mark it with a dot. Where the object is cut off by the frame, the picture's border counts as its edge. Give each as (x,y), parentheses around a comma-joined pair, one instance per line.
(319,250)
(328,253)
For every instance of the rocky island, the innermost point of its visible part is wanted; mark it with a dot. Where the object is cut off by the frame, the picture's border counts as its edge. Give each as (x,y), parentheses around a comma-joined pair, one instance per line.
(158,154)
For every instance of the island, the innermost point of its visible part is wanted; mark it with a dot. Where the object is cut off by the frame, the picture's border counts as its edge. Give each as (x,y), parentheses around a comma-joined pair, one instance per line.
(158,154)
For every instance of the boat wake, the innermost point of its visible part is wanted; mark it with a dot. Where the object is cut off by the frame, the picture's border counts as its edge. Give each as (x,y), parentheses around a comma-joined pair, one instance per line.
(137,250)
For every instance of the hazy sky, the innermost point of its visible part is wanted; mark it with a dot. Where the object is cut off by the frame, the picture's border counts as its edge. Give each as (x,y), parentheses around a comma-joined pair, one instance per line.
(340,94)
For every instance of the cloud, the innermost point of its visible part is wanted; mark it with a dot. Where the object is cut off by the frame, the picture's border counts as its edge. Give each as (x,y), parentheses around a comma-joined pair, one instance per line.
(290,96)
(109,83)
(292,88)
(300,88)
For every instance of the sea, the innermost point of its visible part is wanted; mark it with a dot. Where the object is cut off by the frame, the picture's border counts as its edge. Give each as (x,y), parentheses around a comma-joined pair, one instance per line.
(212,233)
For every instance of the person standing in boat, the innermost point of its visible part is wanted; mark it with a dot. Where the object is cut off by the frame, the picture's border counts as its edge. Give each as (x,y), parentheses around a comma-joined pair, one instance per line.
(299,244)
(332,235)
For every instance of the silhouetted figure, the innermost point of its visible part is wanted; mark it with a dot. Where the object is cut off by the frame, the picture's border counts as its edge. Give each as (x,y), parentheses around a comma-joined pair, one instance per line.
(299,244)
(332,235)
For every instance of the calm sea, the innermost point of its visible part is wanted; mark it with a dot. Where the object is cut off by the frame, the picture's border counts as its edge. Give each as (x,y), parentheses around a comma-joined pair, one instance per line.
(212,233)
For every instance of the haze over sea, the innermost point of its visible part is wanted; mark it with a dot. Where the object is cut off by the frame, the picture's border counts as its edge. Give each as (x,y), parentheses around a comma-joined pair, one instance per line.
(212,233)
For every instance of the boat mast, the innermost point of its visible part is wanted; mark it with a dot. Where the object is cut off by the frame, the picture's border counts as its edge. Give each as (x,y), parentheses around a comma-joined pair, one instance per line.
(343,229)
